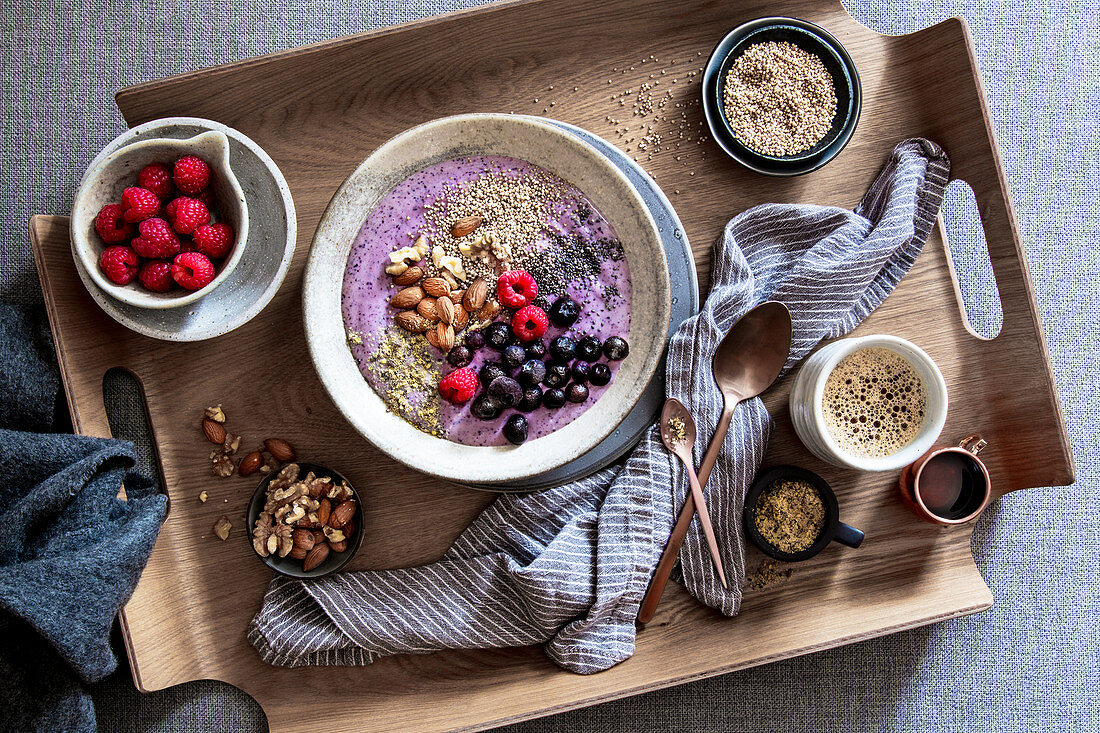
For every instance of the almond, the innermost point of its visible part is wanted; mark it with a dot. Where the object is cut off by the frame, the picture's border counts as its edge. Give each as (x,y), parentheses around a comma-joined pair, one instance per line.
(433,337)
(324,512)
(475,296)
(250,464)
(298,553)
(456,296)
(489,311)
(461,319)
(342,514)
(280,449)
(445,335)
(427,309)
(303,539)
(315,557)
(407,298)
(349,528)
(410,276)
(436,287)
(340,546)
(413,322)
(446,310)
(465,225)
(213,431)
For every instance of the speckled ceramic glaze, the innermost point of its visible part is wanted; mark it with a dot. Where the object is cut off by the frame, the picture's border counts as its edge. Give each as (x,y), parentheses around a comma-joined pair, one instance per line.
(484,134)
(107,177)
(263,259)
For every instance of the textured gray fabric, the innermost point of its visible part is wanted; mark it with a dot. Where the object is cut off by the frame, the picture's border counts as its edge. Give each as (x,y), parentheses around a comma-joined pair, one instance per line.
(569,566)
(1029,663)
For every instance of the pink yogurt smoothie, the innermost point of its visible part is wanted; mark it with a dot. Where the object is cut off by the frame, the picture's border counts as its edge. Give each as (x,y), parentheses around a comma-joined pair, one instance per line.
(584,260)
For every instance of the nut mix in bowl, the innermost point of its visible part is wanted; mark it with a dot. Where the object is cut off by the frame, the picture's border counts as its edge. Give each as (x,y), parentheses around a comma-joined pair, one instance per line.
(484,301)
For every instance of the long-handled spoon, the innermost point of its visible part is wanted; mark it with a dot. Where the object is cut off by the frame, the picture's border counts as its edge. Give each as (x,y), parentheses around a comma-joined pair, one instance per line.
(745,364)
(678,435)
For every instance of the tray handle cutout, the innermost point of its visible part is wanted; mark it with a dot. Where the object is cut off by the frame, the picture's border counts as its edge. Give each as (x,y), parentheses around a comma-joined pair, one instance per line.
(128,417)
(968,259)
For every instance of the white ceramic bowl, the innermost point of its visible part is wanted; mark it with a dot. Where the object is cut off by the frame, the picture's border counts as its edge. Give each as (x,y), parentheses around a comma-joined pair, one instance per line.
(484,134)
(808,393)
(103,184)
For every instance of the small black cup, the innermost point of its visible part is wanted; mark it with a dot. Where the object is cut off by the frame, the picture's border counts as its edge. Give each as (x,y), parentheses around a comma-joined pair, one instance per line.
(834,529)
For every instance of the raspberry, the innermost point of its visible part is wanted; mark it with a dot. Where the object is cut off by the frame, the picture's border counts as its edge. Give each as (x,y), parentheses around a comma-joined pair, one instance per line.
(119,264)
(191,174)
(459,386)
(188,215)
(516,288)
(206,197)
(157,178)
(530,322)
(110,225)
(170,208)
(139,204)
(214,240)
(156,275)
(155,239)
(192,270)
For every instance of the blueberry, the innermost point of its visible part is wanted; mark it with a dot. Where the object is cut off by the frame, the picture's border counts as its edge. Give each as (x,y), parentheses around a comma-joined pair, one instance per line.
(536,349)
(498,335)
(615,348)
(515,429)
(577,393)
(600,374)
(490,370)
(513,356)
(532,399)
(506,391)
(486,407)
(556,375)
(563,348)
(588,348)
(553,398)
(460,356)
(532,373)
(580,371)
(564,312)
(475,340)
(542,302)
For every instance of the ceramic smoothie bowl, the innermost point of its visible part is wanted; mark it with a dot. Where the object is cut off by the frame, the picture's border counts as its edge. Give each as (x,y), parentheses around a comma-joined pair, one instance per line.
(435,165)
(104,183)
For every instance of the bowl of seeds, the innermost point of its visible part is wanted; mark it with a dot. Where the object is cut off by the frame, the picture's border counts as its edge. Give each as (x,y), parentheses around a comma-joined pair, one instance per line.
(792,514)
(782,96)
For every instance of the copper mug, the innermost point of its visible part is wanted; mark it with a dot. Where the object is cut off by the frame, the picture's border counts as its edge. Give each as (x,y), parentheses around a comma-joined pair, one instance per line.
(948,485)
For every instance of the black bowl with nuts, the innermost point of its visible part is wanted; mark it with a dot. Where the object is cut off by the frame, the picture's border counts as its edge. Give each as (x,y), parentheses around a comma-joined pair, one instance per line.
(304,521)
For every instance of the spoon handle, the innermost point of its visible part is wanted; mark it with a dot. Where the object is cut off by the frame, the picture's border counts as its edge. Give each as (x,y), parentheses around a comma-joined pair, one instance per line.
(717,440)
(668,560)
(704,520)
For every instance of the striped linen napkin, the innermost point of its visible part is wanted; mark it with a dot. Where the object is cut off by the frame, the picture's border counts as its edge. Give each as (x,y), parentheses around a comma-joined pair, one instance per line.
(568,567)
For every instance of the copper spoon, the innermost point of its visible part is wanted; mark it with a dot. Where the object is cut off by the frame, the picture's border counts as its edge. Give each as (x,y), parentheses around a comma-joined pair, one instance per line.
(681,442)
(745,364)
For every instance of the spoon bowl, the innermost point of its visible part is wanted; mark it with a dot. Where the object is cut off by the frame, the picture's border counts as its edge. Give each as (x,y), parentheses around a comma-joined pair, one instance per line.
(674,409)
(754,351)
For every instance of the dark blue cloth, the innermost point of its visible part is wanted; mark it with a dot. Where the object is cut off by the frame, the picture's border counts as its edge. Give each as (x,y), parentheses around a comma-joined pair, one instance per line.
(71,551)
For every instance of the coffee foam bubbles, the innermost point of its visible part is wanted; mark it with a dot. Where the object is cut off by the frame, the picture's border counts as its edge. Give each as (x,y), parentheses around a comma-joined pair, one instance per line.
(874,403)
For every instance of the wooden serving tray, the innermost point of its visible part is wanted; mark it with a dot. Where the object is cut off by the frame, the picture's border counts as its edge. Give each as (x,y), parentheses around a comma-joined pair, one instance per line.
(318,111)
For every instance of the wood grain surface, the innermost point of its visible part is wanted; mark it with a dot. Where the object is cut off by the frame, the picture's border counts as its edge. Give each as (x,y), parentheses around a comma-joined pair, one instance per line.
(319,111)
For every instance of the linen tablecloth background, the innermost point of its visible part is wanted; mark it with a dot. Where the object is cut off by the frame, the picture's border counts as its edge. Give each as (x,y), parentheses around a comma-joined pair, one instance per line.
(1032,662)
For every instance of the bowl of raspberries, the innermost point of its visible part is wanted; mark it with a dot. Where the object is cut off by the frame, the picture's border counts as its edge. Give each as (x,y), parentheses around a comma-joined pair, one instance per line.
(160,223)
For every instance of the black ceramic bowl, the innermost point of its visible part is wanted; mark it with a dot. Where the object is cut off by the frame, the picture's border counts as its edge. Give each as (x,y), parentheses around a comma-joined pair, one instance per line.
(287,565)
(811,38)
(834,529)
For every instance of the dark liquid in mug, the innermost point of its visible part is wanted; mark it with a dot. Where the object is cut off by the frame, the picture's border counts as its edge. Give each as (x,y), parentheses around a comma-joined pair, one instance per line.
(952,485)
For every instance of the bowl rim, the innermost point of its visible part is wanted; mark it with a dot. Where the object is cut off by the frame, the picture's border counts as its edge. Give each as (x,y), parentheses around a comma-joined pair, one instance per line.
(711,89)
(506,464)
(255,507)
(83,247)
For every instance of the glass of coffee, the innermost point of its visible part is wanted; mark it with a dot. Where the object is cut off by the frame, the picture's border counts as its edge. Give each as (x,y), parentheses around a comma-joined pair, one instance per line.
(948,485)
(873,403)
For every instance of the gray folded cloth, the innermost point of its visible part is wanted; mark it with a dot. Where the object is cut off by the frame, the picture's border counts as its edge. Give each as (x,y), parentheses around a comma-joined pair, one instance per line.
(70,551)
(568,567)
